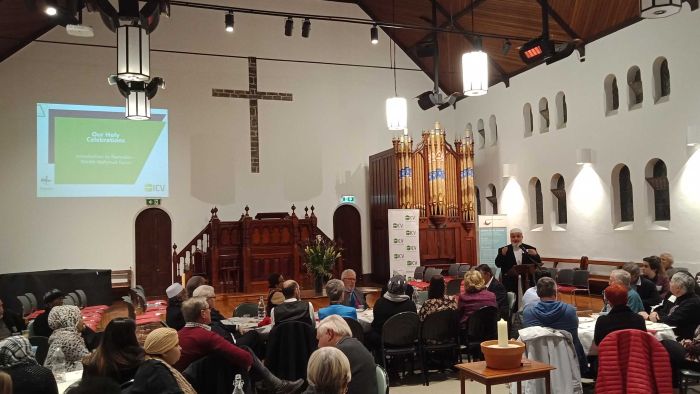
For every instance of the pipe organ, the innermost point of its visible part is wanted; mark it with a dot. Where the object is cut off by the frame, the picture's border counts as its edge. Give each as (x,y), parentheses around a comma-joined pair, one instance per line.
(438,180)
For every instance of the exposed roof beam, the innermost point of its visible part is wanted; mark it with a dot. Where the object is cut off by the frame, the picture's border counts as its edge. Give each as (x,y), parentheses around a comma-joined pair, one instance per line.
(458,15)
(560,21)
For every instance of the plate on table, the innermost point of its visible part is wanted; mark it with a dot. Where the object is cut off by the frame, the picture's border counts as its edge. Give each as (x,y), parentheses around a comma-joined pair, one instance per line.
(585,319)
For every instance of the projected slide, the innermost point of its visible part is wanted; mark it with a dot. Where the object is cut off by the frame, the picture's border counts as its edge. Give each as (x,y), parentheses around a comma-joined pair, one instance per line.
(93,151)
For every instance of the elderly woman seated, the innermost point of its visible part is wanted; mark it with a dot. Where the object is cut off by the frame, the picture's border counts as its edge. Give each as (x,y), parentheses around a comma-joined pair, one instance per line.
(156,374)
(28,377)
(475,296)
(620,316)
(335,288)
(328,372)
(437,300)
(681,310)
(66,323)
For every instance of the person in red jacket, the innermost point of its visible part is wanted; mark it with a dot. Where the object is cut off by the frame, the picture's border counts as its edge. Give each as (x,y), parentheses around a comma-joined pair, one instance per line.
(197,341)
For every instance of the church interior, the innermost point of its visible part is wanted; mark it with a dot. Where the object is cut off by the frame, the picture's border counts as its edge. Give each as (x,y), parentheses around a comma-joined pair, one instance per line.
(269,128)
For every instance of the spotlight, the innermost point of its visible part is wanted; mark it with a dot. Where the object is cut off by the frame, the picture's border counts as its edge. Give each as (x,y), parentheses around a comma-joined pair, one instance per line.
(288,27)
(506,47)
(228,18)
(374,35)
(306,28)
(51,9)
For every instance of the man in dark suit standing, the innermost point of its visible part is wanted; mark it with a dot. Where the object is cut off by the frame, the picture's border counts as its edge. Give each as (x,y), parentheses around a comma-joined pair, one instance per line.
(517,253)
(494,286)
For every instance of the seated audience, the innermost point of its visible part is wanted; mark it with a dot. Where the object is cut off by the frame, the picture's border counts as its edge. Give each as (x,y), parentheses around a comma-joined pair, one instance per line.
(494,286)
(666,260)
(156,374)
(95,385)
(530,296)
(684,312)
(623,278)
(274,292)
(66,323)
(41,323)
(197,341)
(119,354)
(28,377)
(173,314)
(475,296)
(334,331)
(653,270)
(683,355)
(335,289)
(293,308)
(228,332)
(193,283)
(620,316)
(548,312)
(353,296)
(328,372)
(10,323)
(437,300)
(394,301)
(643,286)
(5,383)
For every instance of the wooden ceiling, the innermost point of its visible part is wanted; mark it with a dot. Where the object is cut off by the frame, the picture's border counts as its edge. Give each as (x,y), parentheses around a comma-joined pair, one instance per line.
(580,20)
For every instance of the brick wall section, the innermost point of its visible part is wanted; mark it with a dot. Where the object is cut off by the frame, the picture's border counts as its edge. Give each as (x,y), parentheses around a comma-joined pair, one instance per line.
(253,96)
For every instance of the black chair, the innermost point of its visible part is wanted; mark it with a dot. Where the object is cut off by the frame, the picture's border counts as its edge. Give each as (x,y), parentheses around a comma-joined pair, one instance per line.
(26,304)
(32,301)
(214,375)
(289,347)
(453,287)
(463,268)
(453,270)
(481,326)
(356,328)
(580,283)
(82,296)
(418,273)
(400,336)
(246,309)
(42,348)
(439,332)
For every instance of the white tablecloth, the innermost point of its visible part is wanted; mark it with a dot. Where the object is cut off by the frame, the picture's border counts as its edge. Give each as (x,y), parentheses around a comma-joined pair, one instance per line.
(586,329)
(71,377)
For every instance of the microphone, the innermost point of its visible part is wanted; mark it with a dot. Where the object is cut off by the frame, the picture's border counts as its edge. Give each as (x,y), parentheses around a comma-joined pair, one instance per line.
(523,248)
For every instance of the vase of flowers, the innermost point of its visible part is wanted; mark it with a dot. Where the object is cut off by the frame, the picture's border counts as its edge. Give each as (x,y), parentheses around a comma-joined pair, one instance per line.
(321,256)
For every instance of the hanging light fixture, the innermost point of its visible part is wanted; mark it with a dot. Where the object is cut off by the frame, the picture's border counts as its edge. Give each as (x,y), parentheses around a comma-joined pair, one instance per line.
(133,62)
(138,106)
(288,27)
(374,35)
(396,107)
(228,20)
(306,28)
(475,69)
(652,9)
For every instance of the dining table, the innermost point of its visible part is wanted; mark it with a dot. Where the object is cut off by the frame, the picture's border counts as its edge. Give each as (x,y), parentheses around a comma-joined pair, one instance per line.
(586,329)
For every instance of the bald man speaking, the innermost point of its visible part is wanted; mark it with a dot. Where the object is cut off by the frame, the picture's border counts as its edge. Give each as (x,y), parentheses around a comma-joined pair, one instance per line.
(516,253)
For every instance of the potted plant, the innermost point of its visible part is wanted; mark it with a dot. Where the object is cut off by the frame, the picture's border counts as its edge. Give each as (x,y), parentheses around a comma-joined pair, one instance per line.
(321,256)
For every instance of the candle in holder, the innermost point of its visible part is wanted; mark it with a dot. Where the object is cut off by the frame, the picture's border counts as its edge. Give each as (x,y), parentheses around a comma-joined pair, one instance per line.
(502,333)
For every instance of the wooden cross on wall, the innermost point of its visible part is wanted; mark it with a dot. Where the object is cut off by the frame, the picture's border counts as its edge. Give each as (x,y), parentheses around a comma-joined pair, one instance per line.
(253,96)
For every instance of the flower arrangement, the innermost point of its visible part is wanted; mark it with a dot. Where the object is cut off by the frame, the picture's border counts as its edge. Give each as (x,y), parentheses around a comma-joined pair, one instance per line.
(321,256)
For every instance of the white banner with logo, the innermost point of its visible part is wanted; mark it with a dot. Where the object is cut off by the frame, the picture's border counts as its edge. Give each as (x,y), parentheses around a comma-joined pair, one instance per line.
(404,254)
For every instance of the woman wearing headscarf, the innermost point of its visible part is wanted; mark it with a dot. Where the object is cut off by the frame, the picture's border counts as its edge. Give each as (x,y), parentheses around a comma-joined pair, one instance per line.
(156,374)
(66,323)
(28,377)
(393,302)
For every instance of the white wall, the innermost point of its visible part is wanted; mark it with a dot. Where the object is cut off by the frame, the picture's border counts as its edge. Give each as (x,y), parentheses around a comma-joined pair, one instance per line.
(630,137)
(313,150)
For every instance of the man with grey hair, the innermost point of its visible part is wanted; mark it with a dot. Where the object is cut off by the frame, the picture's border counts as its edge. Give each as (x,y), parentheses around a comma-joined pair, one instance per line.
(623,278)
(548,312)
(353,296)
(516,253)
(335,289)
(643,286)
(681,309)
(198,341)
(334,331)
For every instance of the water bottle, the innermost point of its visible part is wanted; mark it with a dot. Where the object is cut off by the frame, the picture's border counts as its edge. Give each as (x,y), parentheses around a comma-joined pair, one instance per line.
(415,297)
(58,365)
(261,308)
(238,384)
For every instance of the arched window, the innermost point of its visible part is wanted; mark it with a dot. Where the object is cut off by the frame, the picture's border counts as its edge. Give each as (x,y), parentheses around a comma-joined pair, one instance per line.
(536,202)
(544,115)
(478,201)
(482,133)
(468,127)
(493,128)
(559,191)
(527,118)
(658,181)
(561,110)
(662,80)
(634,88)
(493,199)
(612,99)
(623,203)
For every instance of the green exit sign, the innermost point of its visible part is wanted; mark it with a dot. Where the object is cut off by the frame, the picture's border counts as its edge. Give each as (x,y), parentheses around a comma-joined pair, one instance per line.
(153,201)
(347,199)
